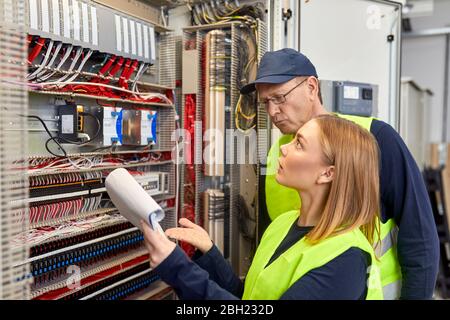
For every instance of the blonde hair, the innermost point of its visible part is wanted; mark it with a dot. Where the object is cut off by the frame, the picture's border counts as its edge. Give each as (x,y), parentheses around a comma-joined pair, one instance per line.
(353,198)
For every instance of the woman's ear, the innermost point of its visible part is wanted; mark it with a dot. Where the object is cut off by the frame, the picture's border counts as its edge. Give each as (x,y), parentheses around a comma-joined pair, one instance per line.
(326,176)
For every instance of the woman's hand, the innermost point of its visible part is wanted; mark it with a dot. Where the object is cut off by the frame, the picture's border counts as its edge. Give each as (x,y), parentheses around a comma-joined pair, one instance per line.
(158,246)
(192,234)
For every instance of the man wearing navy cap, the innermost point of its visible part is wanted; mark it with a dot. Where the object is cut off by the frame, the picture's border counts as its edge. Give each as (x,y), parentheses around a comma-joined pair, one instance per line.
(288,88)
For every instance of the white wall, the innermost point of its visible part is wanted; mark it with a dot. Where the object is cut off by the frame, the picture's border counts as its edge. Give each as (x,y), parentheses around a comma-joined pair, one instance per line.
(345,41)
(423,59)
(440,17)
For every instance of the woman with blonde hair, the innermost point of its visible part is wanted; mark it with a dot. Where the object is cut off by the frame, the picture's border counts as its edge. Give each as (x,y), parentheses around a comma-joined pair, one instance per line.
(323,251)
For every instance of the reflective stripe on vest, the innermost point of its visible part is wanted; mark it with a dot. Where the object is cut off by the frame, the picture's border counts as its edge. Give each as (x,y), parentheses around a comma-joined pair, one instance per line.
(392,290)
(388,240)
(281,199)
(270,282)
(390,268)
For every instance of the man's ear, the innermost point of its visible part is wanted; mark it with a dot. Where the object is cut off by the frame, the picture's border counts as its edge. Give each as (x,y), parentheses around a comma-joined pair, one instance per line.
(326,176)
(313,86)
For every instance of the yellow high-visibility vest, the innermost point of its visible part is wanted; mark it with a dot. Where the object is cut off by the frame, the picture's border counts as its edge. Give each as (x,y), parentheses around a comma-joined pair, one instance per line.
(280,199)
(270,282)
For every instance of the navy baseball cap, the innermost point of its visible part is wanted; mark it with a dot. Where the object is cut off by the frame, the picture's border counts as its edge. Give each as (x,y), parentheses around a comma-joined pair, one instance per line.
(281,66)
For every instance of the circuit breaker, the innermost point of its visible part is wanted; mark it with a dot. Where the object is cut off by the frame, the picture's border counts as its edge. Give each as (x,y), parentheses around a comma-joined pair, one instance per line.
(112,126)
(148,127)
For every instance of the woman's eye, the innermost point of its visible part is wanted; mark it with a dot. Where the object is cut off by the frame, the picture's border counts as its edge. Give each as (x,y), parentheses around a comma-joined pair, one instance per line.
(298,144)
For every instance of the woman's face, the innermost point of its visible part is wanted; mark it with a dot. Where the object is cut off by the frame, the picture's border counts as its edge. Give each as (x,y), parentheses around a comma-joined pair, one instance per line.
(301,164)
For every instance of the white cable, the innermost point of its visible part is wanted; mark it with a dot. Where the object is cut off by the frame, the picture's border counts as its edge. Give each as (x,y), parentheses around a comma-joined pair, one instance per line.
(80,67)
(43,62)
(163,17)
(36,236)
(61,63)
(71,163)
(72,65)
(59,84)
(75,165)
(145,95)
(78,54)
(139,74)
(52,60)
(84,163)
(51,165)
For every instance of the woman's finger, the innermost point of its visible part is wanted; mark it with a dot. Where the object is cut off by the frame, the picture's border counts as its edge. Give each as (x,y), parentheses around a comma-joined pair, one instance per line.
(189,224)
(149,234)
(200,240)
(181,234)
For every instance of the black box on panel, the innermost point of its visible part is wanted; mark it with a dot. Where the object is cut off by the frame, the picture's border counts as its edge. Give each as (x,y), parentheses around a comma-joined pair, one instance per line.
(68,122)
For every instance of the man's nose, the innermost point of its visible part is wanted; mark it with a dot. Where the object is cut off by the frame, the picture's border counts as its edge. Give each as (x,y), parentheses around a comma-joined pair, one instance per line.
(272,109)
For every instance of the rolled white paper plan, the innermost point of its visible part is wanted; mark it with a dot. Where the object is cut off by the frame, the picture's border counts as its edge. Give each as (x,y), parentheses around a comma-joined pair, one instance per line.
(132,201)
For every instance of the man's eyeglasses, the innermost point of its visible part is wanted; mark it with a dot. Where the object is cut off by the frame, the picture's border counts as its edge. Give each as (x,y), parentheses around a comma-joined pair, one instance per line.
(279,98)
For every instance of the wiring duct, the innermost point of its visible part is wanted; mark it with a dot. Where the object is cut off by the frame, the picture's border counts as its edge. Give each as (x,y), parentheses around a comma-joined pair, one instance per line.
(43,77)
(214,12)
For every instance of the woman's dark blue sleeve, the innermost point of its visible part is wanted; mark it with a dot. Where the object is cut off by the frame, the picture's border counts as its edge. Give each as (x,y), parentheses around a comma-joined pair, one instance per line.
(219,270)
(343,278)
(189,281)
